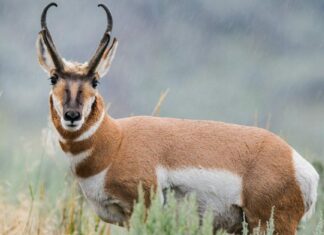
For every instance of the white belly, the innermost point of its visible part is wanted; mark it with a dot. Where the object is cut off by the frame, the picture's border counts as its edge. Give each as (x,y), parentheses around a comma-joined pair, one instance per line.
(215,189)
(106,207)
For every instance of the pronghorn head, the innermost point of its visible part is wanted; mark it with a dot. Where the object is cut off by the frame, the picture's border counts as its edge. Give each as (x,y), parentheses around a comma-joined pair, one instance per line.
(74,84)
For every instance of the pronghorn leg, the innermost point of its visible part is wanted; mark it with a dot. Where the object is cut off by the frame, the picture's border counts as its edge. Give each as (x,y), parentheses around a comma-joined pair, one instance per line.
(288,211)
(285,221)
(287,217)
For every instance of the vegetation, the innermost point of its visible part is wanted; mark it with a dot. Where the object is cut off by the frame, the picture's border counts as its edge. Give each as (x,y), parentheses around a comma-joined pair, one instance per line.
(224,60)
(70,214)
(43,198)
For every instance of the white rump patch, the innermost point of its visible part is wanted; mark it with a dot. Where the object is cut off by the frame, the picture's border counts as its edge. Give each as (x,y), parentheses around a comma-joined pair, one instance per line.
(92,129)
(217,189)
(308,178)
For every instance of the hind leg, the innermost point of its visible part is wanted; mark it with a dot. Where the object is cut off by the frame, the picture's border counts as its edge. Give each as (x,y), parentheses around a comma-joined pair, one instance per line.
(286,201)
(284,224)
(273,185)
(288,211)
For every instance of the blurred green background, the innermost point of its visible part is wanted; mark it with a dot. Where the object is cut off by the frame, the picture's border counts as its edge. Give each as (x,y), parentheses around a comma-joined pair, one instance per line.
(249,62)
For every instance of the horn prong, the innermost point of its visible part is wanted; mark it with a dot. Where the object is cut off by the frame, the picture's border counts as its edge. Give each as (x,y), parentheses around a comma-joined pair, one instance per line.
(93,63)
(48,39)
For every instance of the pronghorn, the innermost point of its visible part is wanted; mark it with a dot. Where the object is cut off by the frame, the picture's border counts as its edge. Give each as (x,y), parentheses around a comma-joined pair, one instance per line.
(231,168)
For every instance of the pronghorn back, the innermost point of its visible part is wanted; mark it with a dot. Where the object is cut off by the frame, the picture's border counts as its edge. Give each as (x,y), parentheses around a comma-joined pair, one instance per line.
(231,168)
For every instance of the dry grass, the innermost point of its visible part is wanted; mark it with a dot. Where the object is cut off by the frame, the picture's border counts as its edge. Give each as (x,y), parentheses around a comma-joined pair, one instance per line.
(34,214)
(70,214)
(33,211)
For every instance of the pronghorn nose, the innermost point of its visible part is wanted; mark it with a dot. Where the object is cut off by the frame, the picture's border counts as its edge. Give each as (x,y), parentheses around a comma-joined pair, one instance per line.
(72,116)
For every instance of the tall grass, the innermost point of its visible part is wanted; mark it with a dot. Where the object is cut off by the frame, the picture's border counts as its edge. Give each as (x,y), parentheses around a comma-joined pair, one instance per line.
(33,214)
(48,201)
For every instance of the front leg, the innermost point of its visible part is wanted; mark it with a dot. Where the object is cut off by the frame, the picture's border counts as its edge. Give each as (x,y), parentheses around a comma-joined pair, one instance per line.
(113,211)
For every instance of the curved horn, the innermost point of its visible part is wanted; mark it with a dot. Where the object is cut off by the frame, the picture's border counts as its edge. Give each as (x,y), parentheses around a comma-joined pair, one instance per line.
(44,14)
(103,43)
(109,17)
(48,39)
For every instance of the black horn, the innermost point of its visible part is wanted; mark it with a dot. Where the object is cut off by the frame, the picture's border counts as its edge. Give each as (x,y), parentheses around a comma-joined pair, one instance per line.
(103,43)
(109,17)
(48,39)
(44,14)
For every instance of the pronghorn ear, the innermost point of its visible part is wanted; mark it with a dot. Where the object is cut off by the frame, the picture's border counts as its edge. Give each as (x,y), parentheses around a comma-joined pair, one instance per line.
(106,59)
(44,57)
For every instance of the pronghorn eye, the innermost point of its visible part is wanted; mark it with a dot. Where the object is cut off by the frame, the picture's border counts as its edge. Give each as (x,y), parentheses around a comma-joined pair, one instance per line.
(53,79)
(94,83)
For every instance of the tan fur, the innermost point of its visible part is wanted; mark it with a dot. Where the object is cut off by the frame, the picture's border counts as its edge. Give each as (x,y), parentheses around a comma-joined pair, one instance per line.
(134,146)
(75,68)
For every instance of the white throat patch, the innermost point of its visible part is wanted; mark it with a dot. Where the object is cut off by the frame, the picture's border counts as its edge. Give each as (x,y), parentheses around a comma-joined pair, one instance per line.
(75,159)
(92,129)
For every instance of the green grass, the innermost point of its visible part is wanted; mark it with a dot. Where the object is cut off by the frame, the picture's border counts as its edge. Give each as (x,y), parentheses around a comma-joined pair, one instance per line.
(34,213)
(39,196)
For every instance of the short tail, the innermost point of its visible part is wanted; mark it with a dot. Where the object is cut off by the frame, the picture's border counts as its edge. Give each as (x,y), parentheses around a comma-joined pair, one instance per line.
(308,178)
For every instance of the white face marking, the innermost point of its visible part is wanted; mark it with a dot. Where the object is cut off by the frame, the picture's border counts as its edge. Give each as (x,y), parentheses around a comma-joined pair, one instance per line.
(87,107)
(78,124)
(216,189)
(308,178)
(93,129)
(65,124)
(75,159)
(57,105)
